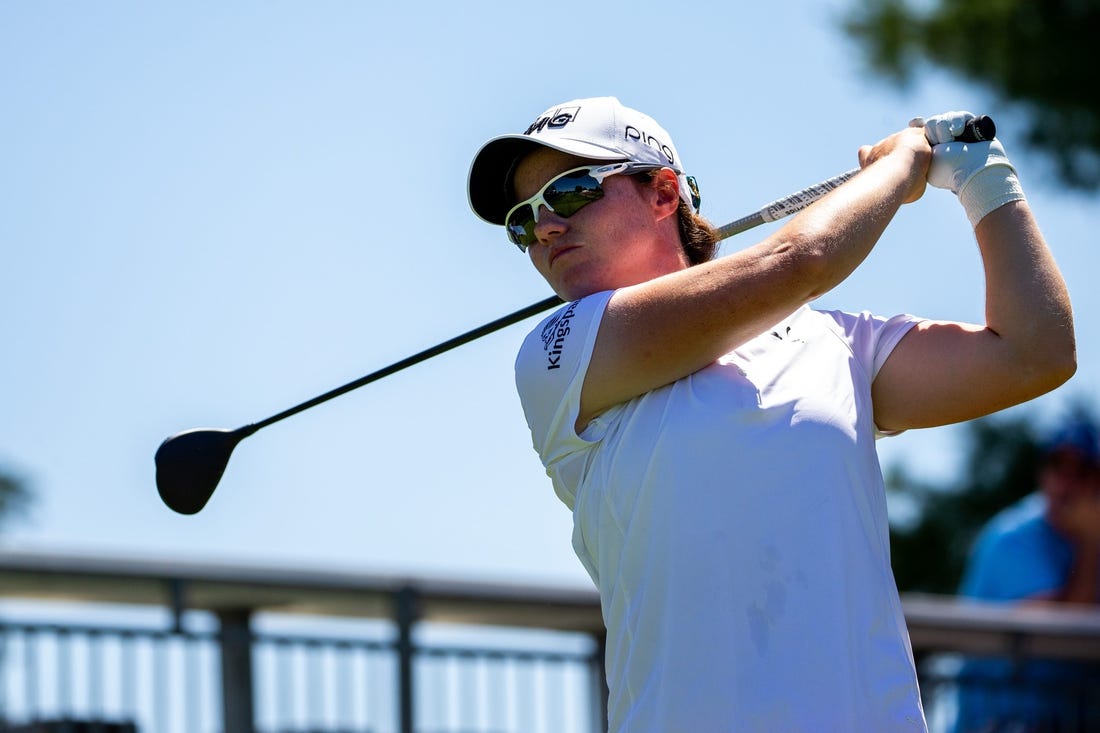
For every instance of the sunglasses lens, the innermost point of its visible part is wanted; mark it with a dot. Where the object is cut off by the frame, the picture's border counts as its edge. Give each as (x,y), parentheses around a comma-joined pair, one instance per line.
(570,194)
(521,226)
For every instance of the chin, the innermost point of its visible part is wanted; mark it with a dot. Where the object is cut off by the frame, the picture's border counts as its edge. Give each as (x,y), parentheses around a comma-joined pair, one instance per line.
(575,283)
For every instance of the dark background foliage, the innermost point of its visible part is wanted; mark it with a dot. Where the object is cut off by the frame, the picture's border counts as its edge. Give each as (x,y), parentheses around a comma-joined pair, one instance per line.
(1036,57)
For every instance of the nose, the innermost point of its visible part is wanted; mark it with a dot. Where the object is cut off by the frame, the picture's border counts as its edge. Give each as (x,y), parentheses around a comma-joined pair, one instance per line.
(549,225)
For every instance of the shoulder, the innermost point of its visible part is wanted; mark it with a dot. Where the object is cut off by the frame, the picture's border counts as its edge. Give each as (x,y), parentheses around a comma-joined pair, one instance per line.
(550,345)
(865,324)
(550,369)
(871,338)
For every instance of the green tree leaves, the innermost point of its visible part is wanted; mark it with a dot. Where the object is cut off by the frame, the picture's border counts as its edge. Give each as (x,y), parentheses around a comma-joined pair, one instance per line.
(1036,56)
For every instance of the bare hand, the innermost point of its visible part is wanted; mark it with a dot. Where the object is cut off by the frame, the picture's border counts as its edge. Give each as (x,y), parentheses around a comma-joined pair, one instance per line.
(911,142)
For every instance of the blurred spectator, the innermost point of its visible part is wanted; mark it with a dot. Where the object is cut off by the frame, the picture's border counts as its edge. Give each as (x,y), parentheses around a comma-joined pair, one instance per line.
(1043,549)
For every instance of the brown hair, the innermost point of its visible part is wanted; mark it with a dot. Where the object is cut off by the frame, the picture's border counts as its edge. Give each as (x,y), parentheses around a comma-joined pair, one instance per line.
(697,237)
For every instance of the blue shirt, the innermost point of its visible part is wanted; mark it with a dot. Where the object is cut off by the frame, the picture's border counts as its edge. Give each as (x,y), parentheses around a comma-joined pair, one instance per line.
(1017,556)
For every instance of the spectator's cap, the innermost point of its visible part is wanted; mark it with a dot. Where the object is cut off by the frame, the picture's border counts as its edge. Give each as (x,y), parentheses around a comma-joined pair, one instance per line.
(598,128)
(1080,435)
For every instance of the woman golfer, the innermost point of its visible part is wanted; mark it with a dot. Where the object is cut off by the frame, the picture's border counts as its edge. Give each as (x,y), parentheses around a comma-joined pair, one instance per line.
(715,437)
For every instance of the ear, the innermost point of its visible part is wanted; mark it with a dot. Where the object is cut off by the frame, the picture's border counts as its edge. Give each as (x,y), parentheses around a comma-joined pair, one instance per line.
(667,188)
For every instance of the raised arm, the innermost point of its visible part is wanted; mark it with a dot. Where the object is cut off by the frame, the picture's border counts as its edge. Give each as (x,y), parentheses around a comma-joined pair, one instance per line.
(663,329)
(945,372)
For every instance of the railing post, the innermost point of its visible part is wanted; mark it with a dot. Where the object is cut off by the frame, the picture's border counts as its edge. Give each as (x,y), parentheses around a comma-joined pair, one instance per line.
(177,598)
(236,657)
(406,612)
(600,659)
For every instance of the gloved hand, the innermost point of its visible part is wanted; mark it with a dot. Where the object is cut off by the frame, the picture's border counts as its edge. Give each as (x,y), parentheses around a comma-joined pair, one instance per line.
(954,163)
(943,128)
(978,173)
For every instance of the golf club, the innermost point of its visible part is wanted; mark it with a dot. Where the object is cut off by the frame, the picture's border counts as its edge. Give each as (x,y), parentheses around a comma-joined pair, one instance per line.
(190,464)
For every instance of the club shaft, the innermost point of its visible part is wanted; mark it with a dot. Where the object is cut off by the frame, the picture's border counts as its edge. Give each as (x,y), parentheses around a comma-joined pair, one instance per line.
(790,204)
(485,330)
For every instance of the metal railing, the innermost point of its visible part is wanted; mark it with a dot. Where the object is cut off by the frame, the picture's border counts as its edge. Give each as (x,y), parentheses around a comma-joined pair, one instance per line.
(105,675)
(247,650)
(171,681)
(960,699)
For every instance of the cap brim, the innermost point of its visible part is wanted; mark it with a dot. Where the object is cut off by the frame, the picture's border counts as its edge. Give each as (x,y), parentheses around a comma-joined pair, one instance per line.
(488,186)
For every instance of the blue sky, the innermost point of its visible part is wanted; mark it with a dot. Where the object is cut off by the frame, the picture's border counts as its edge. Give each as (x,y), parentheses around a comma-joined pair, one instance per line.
(214,211)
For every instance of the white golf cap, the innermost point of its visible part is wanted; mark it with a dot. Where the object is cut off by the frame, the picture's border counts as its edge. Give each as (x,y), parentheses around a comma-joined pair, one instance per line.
(599,128)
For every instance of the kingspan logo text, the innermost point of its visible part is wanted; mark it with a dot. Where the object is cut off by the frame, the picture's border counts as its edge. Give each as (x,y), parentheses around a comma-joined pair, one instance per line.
(553,336)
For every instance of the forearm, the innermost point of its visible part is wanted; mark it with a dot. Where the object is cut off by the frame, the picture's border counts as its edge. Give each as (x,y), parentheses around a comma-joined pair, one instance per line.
(835,235)
(821,246)
(1027,304)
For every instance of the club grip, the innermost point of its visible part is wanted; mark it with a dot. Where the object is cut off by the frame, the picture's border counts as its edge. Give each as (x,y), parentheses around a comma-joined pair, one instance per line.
(978,130)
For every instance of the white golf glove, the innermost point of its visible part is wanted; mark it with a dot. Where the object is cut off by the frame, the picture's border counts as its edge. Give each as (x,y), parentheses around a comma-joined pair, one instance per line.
(978,173)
